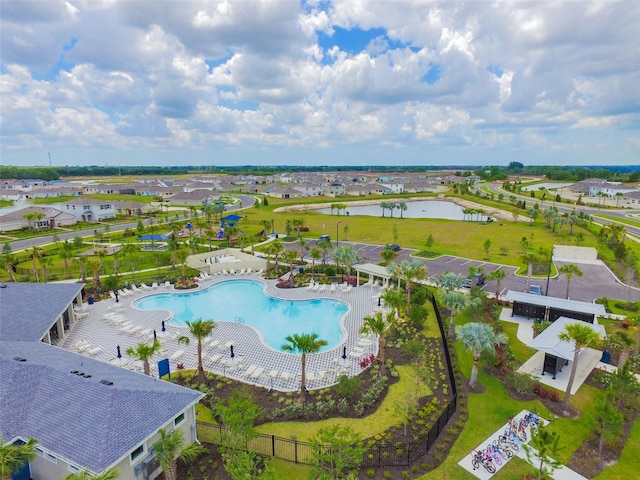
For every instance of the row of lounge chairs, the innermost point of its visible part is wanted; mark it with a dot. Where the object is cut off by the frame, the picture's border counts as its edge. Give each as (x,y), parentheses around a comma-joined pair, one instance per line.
(85,346)
(125,292)
(320,287)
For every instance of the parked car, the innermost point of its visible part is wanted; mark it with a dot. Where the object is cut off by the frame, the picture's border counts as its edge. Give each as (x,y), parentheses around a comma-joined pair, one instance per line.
(481,279)
(393,246)
(323,238)
(535,289)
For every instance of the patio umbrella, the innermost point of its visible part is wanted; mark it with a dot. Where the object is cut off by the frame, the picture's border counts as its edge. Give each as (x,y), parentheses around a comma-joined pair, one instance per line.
(232,354)
(119,355)
(155,335)
(163,329)
(344,352)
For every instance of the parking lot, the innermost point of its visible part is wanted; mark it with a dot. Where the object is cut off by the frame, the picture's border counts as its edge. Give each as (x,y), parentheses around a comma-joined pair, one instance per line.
(597,280)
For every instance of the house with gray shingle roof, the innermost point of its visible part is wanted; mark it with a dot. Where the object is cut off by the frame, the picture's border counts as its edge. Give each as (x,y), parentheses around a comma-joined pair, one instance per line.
(85,414)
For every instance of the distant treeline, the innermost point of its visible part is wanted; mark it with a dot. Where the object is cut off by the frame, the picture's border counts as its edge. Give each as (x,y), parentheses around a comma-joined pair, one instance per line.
(614,173)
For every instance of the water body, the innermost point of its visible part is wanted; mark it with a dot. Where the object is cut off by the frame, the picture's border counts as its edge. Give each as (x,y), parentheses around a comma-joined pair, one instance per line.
(245,301)
(419,209)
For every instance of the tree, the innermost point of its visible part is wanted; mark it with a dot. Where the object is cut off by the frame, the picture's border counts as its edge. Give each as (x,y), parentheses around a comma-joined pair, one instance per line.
(170,448)
(570,269)
(304,343)
(388,255)
(315,255)
(379,325)
(540,450)
(450,281)
(66,254)
(497,275)
(111,474)
(290,257)
(13,457)
(143,352)
(338,452)
(530,259)
(429,243)
(347,256)
(477,338)
(238,414)
(402,206)
(7,261)
(456,302)
(199,329)
(409,271)
(582,336)
(396,298)
(487,247)
(324,246)
(45,263)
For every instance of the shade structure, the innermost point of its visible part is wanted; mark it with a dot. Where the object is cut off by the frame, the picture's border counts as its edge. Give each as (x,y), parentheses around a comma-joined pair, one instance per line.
(549,342)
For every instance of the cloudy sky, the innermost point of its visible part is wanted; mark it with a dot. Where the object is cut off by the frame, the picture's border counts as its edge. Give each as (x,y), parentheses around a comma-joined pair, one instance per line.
(353,82)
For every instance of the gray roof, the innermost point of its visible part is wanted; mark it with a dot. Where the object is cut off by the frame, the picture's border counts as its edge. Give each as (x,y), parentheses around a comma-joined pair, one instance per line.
(549,341)
(83,421)
(555,302)
(28,310)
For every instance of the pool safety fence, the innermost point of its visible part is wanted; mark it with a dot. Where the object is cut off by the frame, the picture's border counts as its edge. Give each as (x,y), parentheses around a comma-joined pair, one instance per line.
(375,456)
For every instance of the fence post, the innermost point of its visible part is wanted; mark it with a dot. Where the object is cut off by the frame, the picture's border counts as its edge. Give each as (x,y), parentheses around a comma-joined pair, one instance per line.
(273,445)
(295,450)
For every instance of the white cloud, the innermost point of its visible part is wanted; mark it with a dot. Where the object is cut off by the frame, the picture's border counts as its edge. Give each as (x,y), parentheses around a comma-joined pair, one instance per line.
(507,76)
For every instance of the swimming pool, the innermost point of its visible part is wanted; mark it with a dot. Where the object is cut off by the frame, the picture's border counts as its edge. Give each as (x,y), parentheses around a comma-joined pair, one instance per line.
(245,301)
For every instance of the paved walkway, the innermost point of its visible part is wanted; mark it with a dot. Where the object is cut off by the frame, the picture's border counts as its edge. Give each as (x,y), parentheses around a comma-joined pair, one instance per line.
(273,369)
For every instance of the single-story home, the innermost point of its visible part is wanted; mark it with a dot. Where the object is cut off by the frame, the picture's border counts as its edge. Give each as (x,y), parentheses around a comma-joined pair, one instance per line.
(51,218)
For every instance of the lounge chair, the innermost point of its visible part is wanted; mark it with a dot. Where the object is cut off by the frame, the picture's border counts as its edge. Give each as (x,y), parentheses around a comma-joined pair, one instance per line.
(78,308)
(286,376)
(248,270)
(242,271)
(134,288)
(224,271)
(250,370)
(257,372)
(112,294)
(322,288)
(177,354)
(333,287)
(214,343)
(82,345)
(259,272)
(168,284)
(232,271)
(94,350)
(79,314)
(215,358)
(144,285)
(310,286)
(154,285)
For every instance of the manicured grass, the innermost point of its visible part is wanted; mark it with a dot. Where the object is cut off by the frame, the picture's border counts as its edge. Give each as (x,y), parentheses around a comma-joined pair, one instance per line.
(626,221)
(629,464)
(286,469)
(521,352)
(203,414)
(386,416)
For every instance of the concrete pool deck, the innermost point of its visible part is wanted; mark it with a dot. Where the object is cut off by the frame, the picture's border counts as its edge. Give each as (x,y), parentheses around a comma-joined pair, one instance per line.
(273,369)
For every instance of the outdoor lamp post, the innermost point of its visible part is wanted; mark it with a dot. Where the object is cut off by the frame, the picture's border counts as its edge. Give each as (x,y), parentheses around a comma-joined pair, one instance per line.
(337,240)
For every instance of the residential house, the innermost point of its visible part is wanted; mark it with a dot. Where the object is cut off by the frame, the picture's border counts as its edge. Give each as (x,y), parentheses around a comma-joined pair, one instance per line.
(333,189)
(195,198)
(88,210)
(84,414)
(52,218)
(308,189)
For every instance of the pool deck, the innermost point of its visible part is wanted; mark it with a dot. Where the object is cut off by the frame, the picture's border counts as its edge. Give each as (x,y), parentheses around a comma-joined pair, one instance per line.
(254,362)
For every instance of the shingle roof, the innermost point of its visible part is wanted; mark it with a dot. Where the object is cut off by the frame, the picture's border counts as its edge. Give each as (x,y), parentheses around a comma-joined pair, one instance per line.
(27,310)
(80,419)
(555,302)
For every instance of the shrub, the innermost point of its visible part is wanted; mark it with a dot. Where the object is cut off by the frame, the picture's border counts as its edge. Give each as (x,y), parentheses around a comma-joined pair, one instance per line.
(347,386)
(371,473)
(520,382)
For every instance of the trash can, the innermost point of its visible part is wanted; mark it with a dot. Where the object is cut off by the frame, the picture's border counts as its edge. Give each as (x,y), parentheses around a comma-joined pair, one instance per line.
(90,300)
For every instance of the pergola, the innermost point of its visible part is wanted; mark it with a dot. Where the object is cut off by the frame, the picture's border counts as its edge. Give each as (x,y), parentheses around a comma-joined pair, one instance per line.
(374,271)
(551,308)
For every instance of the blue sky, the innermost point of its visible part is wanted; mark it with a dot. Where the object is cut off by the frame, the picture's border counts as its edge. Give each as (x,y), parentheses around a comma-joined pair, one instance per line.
(320,83)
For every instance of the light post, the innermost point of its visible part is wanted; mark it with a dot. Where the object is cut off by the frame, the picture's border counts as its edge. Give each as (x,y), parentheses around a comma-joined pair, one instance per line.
(337,240)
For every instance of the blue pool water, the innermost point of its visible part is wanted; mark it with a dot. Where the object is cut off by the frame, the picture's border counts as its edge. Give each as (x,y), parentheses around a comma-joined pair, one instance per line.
(274,319)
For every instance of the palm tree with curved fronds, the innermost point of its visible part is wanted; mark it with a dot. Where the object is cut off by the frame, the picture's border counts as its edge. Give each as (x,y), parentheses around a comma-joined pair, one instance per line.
(477,338)
(170,448)
(13,457)
(582,336)
(396,298)
(450,281)
(111,474)
(456,302)
(199,329)
(143,352)
(409,271)
(379,325)
(530,259)
(497,275)
(569,270)
(304,343)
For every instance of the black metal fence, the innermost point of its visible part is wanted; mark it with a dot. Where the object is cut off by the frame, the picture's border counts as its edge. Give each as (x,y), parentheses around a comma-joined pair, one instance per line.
(378,455)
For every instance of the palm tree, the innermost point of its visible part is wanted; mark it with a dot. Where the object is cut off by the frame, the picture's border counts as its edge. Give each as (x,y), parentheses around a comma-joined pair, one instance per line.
(35,255)
(143,352)
(477,338)
(388,255)
(315,255)
(450,281)
(290,257)
(530,259)
(497,275)
(347,256)
(402,206)
(13,457)
(456,302)
(582,336)
(324,246)
(170,447)
(380,325)
(570,269)
(110,474)
(396,298)
(82,265)
(199,329)
(409,271)
(304,343)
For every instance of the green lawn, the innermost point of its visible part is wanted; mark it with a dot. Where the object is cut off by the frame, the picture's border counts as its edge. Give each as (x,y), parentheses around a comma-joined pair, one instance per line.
(626,221)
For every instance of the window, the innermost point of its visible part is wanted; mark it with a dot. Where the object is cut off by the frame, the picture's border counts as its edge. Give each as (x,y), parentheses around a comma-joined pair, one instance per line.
(52,458)
(39,451)
(73,468)
(179,419)
(137,452)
